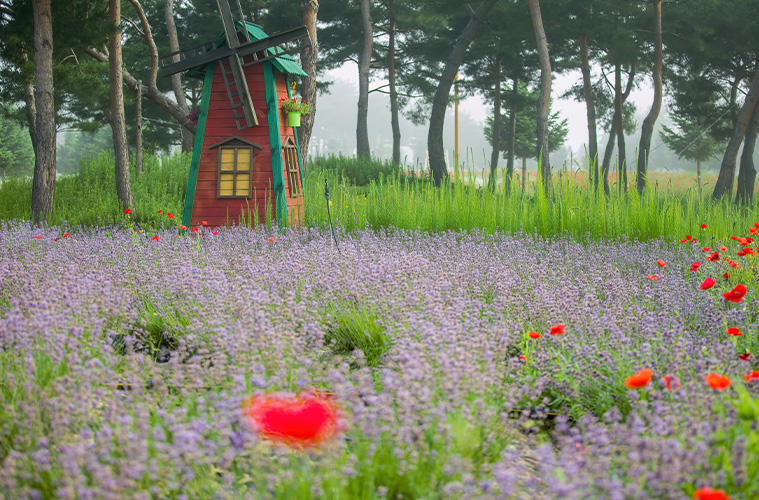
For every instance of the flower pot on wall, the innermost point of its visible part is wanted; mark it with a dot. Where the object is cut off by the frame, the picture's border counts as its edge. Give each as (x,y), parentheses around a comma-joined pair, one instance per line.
(293,119)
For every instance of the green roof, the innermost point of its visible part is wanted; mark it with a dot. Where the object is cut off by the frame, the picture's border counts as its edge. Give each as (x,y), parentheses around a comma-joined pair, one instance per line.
(284,63)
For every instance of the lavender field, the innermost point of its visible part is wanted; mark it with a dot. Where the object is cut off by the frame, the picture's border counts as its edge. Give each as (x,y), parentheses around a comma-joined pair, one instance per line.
(126,362)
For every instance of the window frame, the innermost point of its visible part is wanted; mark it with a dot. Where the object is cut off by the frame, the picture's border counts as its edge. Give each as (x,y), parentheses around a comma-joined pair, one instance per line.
(235,143)
(292,171)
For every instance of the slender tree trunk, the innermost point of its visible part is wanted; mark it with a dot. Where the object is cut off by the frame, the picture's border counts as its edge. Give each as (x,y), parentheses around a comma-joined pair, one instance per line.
(496,127)
(544,100)
(524,173)
(139,162)
(590,109)
(512,128)
(647,129)
(308,58)
(620,128)
(440,101)
(394,119)
(188,138)
(727,169)
(43,185)
(364,60)
(118,125)
(31,112)
(608,152)
(747,173)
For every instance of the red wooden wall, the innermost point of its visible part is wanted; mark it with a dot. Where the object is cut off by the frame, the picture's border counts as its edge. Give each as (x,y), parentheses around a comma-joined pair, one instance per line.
(220,125)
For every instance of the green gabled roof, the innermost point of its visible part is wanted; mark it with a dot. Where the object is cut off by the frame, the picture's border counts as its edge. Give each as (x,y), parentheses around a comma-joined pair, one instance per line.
(284,63)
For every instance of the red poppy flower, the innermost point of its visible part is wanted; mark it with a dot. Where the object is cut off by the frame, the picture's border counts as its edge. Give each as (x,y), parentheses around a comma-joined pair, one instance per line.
(204,223)
(744,356)
(694,267)
(639,380)
(707,284)
(302,421)
(557,329)
(703,226)
(751,377)
(726,275)
(713,257)
(534,335)
(686,239)
(735,332)
(710,494)
(522,358)
(194,230)
(56,239)
(127,211)
(723,248)
(756,224)
(156,237)
(272,239)
(170,215)
(183,227)
(717,381)
(37,237)
(671,382)
(215,233)
(736,294)
(694,240)
(706,249)
(66,235)
(160,211)
(661,263)
(654,277)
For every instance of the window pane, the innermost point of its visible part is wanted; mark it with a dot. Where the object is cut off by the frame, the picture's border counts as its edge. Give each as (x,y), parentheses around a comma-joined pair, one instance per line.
(225,185)
(243,185)
(243,159)
(227,159)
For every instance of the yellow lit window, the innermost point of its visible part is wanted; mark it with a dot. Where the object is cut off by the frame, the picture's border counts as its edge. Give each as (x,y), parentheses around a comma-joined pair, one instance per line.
(235,167)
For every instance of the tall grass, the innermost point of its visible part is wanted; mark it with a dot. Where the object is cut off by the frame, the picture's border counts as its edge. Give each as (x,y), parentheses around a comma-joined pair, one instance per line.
(89,197)
(404,198)
(409,201)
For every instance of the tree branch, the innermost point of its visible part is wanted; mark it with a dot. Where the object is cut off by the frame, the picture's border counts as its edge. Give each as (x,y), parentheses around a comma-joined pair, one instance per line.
(134,25)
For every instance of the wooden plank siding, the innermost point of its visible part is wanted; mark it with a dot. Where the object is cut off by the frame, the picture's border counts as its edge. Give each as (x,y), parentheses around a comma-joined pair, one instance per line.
(220,125)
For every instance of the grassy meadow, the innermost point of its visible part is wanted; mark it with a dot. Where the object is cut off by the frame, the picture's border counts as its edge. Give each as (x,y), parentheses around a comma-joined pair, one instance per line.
(473,344)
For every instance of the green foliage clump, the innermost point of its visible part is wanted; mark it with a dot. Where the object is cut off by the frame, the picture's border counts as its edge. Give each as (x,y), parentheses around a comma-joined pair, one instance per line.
(356,171)
(357,330)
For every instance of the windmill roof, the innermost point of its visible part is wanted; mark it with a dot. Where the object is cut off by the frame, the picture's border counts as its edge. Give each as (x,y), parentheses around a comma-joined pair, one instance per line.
(284,63)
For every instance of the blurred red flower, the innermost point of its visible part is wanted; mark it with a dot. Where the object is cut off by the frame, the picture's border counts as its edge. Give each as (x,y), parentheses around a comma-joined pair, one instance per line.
(751,377)
(66,235)
(736,294)
(215,233)
(156,237)
(194,230)
(671,382)
(694,267)
(707,284)
(744,356)
(127,211)
(303,420)
(703,226)
(557,329)
(639,380)
(272,239)
(710,494)
(654,277)
(717,381)
(713,257)
(735,332)
(183,227)
(160,211)
(661,263)
(170,215)
(534,335)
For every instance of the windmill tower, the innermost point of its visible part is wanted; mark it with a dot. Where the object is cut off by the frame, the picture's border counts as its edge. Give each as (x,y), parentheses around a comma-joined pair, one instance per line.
(245,156)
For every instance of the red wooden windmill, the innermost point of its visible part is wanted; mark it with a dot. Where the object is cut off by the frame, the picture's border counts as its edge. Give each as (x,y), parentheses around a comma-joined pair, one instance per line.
(245,156)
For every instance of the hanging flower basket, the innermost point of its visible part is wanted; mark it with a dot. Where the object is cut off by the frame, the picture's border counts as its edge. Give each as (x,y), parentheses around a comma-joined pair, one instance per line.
(293,119)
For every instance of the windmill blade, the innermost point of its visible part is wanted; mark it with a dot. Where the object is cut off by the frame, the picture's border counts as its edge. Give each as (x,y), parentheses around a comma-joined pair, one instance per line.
(242,90)
(229,23)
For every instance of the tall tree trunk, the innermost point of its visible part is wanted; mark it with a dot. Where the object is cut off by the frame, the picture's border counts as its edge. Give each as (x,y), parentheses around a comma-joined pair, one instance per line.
(308,58)
(524,173)
(608,152)
(647,129)
(188,138)
(698,175)
(31,113)
(727,169)
(43,185)
(496,127)
(512,128)
(139,162)
(544,100)
(590,109)
(394,119)
(747,173)
(118,125)
(620,128)
(364,60)
(440,101)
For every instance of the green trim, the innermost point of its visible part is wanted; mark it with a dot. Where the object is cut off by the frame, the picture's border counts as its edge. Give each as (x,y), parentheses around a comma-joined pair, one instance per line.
(197,147)
(275,143)
(300,163)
